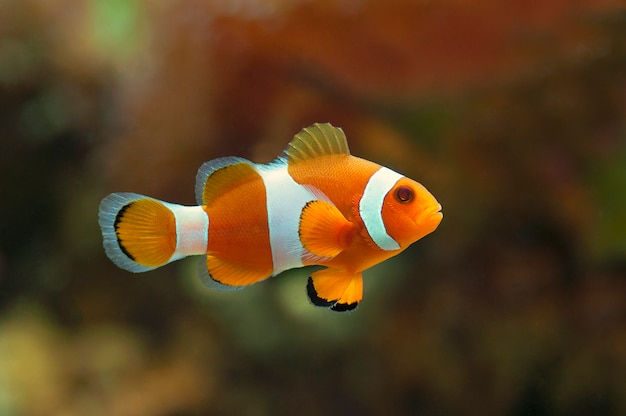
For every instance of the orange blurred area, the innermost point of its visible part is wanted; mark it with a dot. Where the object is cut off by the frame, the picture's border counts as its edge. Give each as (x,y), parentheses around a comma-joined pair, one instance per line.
(510,113)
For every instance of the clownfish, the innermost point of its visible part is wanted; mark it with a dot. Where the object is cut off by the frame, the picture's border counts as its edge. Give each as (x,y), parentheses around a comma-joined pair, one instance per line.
(316,204)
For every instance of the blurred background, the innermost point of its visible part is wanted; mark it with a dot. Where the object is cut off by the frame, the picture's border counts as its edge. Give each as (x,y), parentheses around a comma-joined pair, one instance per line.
(513,114)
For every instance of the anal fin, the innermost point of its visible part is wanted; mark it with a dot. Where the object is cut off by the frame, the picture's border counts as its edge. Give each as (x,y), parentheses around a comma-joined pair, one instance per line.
(222,274)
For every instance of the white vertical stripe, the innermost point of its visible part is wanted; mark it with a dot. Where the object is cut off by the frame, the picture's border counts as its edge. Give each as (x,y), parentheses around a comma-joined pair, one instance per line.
(371,207)
(285,201)
(192,230)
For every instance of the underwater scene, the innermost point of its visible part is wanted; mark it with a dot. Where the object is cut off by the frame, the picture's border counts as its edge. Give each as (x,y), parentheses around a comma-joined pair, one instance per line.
(486,209)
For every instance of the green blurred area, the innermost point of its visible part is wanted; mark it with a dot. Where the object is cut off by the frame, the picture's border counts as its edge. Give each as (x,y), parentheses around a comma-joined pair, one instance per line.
(512,115)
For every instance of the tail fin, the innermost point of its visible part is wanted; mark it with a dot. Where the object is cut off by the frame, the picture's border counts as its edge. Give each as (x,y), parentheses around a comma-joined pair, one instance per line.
(139,233)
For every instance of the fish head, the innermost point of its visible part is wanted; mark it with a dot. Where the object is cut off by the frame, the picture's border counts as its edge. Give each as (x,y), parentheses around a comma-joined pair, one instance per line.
(410,212)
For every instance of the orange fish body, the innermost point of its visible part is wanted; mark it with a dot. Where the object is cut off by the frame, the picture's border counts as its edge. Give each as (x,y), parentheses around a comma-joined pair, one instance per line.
(314,205)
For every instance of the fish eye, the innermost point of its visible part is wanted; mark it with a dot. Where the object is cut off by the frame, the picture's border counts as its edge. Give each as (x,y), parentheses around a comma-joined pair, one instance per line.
(404,194)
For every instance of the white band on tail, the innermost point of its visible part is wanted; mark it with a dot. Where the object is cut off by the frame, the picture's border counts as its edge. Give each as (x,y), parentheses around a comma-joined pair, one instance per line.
(192,230)
(371,207)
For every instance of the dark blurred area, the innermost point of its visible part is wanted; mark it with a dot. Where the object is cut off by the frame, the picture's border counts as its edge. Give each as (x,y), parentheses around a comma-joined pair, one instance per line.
(513,114)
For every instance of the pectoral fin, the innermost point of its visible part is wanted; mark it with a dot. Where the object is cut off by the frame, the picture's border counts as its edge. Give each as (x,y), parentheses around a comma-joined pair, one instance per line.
(337,289)
(324,231)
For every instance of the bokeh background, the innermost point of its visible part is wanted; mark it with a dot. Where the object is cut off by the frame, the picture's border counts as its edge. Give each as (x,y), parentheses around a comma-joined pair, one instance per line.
(512,113)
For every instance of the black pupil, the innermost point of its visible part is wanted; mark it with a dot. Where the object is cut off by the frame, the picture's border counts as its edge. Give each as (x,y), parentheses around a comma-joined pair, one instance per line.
(404,194)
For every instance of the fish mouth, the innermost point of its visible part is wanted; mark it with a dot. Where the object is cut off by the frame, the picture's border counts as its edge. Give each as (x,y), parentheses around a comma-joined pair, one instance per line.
(430,217)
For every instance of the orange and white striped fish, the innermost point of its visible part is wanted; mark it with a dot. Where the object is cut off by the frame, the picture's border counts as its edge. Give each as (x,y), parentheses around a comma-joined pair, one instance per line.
(314,205)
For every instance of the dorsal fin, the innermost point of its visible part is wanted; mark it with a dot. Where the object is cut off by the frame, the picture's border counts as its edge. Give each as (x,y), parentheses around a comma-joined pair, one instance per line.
(221,174)
(210,170)
(319,139)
